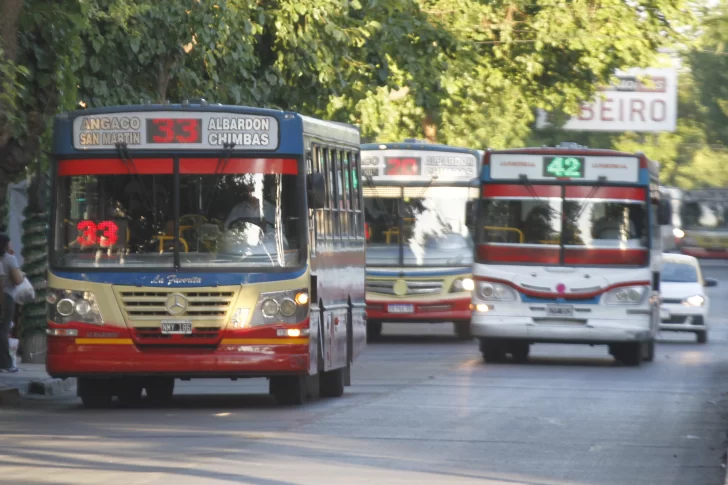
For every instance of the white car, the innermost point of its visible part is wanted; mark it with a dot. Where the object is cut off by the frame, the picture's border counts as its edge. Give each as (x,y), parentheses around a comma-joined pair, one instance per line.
(684,301)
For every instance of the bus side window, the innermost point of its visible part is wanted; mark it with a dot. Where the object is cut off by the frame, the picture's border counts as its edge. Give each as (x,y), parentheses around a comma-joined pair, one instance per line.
(345,195)
(312,213)
(356,194)
(335,170)
(326,170)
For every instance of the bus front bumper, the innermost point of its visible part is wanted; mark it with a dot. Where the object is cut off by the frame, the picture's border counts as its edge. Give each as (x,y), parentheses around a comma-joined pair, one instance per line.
(77,357)
(594,331)
(443,309)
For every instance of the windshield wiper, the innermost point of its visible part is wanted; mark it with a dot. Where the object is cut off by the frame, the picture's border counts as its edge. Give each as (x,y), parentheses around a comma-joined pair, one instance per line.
(222,162)
(599,184)
(123,151)
(531,191)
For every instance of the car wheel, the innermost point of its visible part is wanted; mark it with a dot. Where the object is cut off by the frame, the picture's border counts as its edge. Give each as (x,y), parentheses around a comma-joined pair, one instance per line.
(374,330)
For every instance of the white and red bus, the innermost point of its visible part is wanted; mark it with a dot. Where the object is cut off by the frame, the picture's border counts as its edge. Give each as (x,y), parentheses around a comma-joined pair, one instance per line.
(417,197)
(195,241)
(568,251)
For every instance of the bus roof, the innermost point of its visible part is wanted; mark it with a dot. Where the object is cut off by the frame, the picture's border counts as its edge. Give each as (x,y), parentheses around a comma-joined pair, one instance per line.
(203,127)
(411,145)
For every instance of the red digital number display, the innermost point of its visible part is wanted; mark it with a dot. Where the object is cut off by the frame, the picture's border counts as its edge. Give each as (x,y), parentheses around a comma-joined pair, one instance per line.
(402,166)
(104,234)
(174,130)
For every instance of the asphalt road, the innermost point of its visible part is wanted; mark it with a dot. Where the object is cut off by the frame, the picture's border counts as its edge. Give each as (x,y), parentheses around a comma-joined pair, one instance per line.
(423,409)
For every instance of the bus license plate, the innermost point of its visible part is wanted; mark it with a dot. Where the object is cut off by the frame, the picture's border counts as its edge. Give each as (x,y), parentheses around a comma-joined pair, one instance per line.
(171,327)
(560,310)
(401,308)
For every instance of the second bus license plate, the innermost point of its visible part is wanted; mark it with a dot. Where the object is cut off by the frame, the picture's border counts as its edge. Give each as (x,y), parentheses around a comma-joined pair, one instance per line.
(401,308)
(560,310)
(176,327)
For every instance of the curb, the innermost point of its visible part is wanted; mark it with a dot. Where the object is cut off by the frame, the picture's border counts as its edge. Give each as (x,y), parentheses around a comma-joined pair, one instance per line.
(52,387)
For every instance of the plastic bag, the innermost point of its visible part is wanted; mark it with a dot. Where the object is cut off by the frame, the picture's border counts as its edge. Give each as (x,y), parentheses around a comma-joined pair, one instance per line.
(23,293)
(14,350)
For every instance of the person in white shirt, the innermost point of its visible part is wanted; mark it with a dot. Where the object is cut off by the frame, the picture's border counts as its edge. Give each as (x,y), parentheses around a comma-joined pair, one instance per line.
(249,210)
(10,277)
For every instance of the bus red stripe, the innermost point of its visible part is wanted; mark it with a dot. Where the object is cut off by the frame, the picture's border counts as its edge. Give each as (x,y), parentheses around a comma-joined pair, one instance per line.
(286,166)
(605,256)
(114,166)
(504,190)
(518,254)
(625,193)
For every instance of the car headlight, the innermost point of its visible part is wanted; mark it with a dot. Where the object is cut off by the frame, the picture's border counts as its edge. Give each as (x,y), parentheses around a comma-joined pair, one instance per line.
(65,306)
(678,233)
(495,292)
(462,284)
(289,307)
(695,300)
(626,295)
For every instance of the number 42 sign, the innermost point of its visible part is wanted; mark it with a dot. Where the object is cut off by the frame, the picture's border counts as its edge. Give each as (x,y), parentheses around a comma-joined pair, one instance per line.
(563,167)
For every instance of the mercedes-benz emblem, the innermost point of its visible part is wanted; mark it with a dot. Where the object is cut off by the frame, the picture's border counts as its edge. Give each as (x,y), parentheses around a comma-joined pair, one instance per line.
(176,304)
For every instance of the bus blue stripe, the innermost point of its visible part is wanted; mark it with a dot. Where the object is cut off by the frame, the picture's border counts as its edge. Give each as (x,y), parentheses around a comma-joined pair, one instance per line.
(166,279)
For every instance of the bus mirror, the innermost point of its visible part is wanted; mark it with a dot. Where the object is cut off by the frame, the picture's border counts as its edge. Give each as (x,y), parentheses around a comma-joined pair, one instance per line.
(469,213)
(664,213)
(316,191)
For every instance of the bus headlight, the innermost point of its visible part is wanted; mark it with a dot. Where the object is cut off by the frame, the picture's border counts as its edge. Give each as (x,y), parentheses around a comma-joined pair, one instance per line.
(66,306)
(462,284)
(626,295)
(495,292)
(288,307)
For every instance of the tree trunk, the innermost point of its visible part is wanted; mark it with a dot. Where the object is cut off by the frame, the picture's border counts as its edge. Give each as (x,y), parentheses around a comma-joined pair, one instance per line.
(9,13)
(430,129)
(34,349)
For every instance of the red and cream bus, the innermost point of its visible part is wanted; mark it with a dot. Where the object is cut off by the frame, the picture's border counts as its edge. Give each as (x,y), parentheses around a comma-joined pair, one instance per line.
(195,241)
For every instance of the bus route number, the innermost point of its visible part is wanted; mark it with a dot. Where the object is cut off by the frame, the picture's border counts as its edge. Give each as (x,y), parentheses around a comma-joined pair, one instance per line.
(402,166)
(563,167)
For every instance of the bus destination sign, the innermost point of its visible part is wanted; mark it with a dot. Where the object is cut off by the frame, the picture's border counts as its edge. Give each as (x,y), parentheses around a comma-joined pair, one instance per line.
(511,166)
(408,164)
(167,129)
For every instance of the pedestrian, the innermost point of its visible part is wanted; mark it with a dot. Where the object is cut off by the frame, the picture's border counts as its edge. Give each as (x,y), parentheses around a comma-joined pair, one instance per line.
(10,277)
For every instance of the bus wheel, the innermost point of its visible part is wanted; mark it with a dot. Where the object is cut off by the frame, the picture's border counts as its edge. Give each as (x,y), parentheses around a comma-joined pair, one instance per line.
(289,390)
(702,336)
(129,391)
(462,330)
(160,389)
(493,350)
(95,393)
(374,330)
(519,351)
(628,353)
(332,382)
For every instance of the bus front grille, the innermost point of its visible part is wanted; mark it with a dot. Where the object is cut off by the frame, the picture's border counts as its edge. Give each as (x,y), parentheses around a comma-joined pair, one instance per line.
(413,288)
(140,305)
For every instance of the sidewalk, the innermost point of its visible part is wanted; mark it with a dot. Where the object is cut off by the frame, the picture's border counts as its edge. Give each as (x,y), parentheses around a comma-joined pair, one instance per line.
(32,379)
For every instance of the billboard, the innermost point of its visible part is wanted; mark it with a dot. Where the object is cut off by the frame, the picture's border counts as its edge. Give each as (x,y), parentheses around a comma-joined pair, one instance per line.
(643,100)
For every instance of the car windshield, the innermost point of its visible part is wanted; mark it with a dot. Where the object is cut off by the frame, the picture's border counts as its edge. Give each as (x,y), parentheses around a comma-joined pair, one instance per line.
(418,226)
(678,273)
(226,219)
(585,225)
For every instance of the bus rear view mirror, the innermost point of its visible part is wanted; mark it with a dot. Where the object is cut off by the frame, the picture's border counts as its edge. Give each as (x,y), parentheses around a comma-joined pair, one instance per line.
(664,213)
(316,191)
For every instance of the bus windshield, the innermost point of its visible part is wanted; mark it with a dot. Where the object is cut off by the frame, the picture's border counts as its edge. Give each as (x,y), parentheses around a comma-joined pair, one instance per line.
(705,215)
(551,226)
(418,226)
(225,220)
